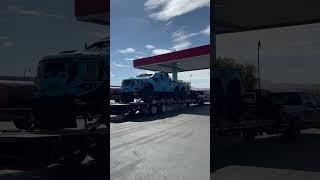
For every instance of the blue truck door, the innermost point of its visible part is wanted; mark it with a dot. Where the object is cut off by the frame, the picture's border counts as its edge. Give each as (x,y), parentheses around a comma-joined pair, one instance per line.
(162,83)
(166,82)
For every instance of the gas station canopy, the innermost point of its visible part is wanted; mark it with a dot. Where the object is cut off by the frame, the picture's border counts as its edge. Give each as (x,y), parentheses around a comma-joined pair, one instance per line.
(186,60)
(246,15)
(237,16)
(93,11)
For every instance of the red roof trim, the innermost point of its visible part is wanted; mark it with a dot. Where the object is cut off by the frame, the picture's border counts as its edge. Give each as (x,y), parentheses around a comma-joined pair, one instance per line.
(87,8)
(188,53)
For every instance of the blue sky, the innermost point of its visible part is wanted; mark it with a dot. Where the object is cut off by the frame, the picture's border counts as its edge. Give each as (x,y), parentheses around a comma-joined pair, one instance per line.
(33,29)
(144,28)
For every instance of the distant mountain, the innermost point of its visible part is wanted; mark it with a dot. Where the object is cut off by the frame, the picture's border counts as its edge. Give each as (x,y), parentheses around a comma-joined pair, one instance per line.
(200,89)
(16,78)
(265,84)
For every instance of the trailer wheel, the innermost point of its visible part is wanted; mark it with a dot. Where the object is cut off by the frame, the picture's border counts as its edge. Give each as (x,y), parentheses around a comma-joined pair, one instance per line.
(249,134)
(294,130)
(147,93)
(74,160)
(71,151)
(187,104)
(200,102)
(23,124)
(153,109)
(163,108)
(99,154)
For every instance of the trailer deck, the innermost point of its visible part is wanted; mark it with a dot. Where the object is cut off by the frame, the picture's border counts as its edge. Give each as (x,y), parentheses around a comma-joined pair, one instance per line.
(123,108)
(46,147)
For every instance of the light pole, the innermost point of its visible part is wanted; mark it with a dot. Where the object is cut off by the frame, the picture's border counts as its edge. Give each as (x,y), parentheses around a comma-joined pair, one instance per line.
(259,83)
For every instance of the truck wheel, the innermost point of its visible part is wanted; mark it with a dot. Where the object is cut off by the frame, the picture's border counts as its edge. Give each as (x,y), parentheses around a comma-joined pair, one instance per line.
(249,134)
(74,160)
(294,130)
(153,109)
(71,151)
(22,124)
(176,94)
(99,154)
(147,94)
(125,98)
(201,103)
(163,108)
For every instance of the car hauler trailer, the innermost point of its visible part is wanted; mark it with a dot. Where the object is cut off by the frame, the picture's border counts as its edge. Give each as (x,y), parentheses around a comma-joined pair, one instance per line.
(234,115)
(43,148)
(150,108)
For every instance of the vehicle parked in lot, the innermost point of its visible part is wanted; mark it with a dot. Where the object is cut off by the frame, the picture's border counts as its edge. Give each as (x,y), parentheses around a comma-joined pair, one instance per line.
(200,96)
(115,93)
(250,114)
(298,105)
(16,98)
(149,87)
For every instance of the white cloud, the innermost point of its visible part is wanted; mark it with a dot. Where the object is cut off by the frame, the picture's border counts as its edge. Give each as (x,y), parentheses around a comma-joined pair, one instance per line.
(21,11)
(168,23)
(160,51)
(136,57)
(206,31)
(164,10)
(181,35)
(126,51)
(149,46)
(129,59)
(181,46)
(119,65)
(8,44)
(139,57)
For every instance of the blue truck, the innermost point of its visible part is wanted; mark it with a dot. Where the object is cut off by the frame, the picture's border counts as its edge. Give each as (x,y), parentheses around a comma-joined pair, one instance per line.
(149,87)
(153,94)
(71,84)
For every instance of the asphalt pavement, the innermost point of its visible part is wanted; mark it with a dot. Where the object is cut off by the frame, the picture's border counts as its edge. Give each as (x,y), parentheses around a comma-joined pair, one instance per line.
(269,157)
(171,146)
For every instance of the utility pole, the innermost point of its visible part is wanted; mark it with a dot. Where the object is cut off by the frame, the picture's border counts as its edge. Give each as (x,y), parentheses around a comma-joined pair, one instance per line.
(259,82)
(27,69)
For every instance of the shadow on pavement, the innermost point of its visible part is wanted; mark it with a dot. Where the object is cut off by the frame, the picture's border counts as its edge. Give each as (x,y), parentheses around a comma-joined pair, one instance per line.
(83,172)
(274,152)
(203,110)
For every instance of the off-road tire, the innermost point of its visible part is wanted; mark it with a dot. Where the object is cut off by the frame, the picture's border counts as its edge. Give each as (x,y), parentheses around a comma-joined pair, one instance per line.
(147,93)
